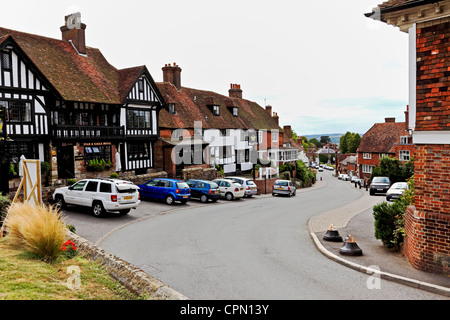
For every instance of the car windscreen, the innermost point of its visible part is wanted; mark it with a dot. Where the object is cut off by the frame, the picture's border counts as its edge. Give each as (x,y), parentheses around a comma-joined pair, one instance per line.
(251,183)
(380,180)
(281,183)
(182,185)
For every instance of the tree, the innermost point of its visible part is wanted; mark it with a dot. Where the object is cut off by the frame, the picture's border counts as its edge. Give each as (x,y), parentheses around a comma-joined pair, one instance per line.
(315,142)
(325,140)
(349,142)
(392,168)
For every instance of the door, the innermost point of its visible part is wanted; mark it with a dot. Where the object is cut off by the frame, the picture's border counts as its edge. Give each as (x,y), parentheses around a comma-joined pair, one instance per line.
(75,193)
(65,160)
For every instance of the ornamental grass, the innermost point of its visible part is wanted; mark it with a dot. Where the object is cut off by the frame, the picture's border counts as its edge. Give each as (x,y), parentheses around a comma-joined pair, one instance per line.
(39,230)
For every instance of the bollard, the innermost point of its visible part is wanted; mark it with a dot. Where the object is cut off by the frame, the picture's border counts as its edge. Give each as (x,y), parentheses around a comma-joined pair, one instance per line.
(350,248)
(332,234)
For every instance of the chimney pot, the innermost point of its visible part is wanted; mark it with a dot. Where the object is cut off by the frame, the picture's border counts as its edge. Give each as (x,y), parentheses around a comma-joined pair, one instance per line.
(172,74)
(235,91)
(74,31)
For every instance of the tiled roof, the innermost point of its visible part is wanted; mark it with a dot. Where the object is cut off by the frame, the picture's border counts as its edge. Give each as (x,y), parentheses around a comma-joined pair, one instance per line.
(382,137)
(88,78)
(395,3)
(192,105)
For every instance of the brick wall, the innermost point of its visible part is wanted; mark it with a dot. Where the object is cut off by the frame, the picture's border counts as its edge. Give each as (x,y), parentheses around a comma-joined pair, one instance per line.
(433,77)
(427,241)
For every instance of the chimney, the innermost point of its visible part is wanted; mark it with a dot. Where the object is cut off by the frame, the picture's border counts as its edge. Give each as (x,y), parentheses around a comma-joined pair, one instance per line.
(172,74)
(389,120)
(74,31)
(407,117)
(275,117)
(286,133)
(269,110)
(235,91)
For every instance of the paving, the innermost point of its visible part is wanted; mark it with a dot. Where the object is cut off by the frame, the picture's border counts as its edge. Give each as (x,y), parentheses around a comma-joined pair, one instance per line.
(356,219)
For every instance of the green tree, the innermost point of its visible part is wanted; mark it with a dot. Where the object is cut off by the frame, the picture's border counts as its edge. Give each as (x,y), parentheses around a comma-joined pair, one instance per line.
(343,142)
(324,140)
(349,142)
(315,142)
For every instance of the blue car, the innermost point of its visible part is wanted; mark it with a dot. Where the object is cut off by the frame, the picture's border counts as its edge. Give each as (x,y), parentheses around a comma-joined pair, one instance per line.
(204,190)
(168,190)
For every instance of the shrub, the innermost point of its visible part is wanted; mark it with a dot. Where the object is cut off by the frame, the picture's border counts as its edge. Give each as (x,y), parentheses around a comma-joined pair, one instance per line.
(390,218)
(71,182)
(114,175)
(39,229)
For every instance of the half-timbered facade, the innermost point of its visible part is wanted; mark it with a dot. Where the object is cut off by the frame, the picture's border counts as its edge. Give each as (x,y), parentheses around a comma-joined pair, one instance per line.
(65,104)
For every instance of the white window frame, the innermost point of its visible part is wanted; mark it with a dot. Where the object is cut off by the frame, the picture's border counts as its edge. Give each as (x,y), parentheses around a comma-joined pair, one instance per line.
(367,168)
(367,155)
(404,155)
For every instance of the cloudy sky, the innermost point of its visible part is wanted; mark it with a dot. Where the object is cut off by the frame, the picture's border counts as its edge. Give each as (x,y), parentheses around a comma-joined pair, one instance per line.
(322,65)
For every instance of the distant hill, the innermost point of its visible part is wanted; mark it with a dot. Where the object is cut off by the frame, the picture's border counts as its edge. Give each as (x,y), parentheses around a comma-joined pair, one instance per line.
(334,137)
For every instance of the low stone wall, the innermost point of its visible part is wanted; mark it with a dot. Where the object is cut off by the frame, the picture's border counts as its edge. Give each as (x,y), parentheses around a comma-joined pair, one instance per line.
(199,173)
(133,278)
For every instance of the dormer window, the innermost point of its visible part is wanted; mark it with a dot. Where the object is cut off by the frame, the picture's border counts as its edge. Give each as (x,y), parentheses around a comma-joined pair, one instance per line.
(172,109)
(235,111)
(216,110)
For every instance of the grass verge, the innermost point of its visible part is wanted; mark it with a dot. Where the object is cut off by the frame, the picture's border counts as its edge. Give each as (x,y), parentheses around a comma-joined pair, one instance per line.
(23,276)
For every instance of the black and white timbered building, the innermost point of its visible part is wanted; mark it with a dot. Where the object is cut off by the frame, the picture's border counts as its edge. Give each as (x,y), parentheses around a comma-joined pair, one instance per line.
(63,103)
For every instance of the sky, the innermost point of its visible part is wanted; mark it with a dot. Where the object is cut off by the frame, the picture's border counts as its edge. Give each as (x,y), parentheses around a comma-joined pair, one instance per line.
(322,65)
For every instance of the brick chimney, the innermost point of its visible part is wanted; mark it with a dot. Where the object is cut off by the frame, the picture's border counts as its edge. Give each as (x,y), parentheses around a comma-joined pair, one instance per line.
(269,110)
(286,133)
(172,74)
(74,31)
(275,117)
(407,117)
(389,120)
(235,91)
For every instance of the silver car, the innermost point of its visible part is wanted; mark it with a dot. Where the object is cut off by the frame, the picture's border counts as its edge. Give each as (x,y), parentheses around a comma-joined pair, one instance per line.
(284,187)
(249,185)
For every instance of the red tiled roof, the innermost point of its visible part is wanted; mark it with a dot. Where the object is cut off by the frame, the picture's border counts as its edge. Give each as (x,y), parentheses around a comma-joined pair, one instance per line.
(192,105)
(88,78)
(382,137)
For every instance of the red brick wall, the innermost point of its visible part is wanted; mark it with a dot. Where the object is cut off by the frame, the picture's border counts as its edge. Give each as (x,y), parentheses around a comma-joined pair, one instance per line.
(433,77)
(427,241)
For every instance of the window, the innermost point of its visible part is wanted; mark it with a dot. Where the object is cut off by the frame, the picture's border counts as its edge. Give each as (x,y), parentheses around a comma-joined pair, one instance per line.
(92,186)
(404,155)
(17,111)
(105,187)
(141,85)
(367,168)
(235,111)
(6,61)
(216,110)
(137,151)
(274,136)
(172,108)
(79,186)
(404,140)
(138,119)
(367,155)
(97,152)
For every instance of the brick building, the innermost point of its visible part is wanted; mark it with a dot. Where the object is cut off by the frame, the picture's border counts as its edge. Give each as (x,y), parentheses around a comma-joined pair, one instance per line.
(427,241)
(228,131)
(387,139)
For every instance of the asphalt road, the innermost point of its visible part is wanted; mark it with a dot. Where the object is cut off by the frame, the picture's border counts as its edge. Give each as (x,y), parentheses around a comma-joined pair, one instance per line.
(256,248)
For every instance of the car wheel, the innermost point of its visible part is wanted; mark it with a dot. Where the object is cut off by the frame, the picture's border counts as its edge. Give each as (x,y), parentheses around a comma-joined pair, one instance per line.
(204,198)
(60,203)
(295,193)
(124,212)
(97,209)
(170,200)
(229,196)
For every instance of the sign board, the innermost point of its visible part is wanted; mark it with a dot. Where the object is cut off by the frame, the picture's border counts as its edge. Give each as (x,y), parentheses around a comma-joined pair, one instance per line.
(31,182)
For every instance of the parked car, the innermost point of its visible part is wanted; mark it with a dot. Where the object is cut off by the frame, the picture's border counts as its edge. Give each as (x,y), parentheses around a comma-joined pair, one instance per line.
(284,187)
(340,175)
(204,190)
(249,185)
(230,189)
(320,169)
(396,190)
(101,195)
(169,190)
(345,177)
(379,185)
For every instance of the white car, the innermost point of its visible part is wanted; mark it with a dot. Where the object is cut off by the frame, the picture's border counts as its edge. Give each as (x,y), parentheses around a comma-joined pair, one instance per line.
(283,187)
(250,188)
(230,189)
(101,195)
(345,177)
(396,190)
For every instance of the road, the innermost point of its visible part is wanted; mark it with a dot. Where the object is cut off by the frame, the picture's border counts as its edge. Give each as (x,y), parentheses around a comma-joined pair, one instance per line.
(256,248)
